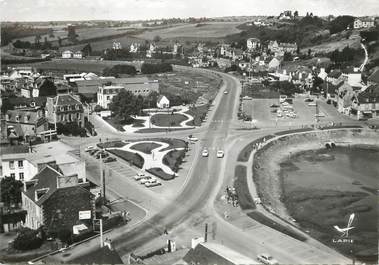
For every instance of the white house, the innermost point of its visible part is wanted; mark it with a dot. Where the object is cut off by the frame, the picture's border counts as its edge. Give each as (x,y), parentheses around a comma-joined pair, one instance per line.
(78,55)
(363,23)
(67,54)
(163,102)
(274,63)
(323,75)
(253,43)
(105,95)
(134,47)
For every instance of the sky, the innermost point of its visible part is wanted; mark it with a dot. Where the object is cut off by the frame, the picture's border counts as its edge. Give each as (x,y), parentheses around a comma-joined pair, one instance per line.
(54,10)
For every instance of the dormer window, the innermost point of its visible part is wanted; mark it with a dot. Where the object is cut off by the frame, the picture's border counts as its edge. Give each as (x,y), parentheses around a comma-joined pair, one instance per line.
(40,192)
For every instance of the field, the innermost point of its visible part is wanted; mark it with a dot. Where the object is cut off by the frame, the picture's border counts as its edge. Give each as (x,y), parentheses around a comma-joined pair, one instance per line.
(83,33)
(352,42)
(189,85)
(75,65)
(206,30)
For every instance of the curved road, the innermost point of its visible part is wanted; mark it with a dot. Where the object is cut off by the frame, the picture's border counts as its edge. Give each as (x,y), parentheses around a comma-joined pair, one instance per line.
(195,201)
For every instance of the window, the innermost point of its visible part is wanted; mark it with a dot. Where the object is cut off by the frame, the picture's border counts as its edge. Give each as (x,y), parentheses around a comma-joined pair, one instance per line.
(20,164)
(13,175)
(11,164)
(21,175)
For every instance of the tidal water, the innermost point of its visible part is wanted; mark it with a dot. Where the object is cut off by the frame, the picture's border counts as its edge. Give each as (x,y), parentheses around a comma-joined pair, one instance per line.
(322,188)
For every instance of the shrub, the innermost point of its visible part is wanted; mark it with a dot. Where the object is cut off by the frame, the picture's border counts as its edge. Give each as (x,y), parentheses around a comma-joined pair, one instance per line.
(28,239)
(156,68)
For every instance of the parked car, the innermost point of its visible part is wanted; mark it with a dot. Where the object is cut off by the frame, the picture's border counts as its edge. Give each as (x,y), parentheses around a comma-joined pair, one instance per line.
(139,176)
(274,106)
(312,104)
(148,179)
(89,148)
(103,154)
(192,139)
(152,184)
(226,92)
(220,154)
(320,115)
(93,152)
(267,259)
(205,153)
(109,159)
(308,100)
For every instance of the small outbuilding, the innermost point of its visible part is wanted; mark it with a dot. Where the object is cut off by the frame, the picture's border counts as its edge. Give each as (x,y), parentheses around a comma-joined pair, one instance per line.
(163,102)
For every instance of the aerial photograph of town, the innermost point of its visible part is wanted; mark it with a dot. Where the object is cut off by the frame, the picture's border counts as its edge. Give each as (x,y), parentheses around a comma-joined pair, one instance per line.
(202,132)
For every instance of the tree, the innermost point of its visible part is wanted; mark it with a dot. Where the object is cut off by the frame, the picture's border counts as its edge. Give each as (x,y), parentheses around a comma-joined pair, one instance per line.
(71,35)
(156,68)
(64,235)
(37,39)
(340,23)
(10,191)
(59,41)
(150,100)
(296,14)
(87,50)
(124,105)
(120,69)
(157,38)
(287,56)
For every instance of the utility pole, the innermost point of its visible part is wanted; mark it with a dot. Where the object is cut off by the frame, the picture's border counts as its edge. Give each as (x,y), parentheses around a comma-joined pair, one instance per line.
(102,184)
(206,233)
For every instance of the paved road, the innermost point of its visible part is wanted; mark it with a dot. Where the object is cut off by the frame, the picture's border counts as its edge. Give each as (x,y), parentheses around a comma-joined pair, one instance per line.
(194,204)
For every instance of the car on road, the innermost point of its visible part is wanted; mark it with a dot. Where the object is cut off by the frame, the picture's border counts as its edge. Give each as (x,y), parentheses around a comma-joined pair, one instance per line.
(226,92)
(312,104)
(192,139)
(109,159)
(220,154)
(320,115)
(205,153)
(308,100)
(267,259)
(274,106)
(139,176)
(89,148)
(93,151)
(152,184)
(282,98)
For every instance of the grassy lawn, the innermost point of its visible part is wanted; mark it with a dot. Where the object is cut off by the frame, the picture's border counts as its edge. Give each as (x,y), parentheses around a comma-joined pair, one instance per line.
(240,184)
(174,159)
(167,120)
(156,130)
(257,216)
(198,114)
(134,159)
(111,144)
(160,173)
(145,147)
(115,123)
(246,151)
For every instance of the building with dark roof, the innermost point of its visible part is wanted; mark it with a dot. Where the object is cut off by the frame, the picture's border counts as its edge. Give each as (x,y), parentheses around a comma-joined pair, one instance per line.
(137,85)
(212,253)
(26,123)
(367,102)
(64,109)
(54,200)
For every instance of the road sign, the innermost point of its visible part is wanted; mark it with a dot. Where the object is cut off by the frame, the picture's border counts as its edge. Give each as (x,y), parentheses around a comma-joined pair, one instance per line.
(84,215)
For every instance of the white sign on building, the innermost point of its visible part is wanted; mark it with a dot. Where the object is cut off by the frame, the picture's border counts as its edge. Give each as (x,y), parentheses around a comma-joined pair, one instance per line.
(84,215)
